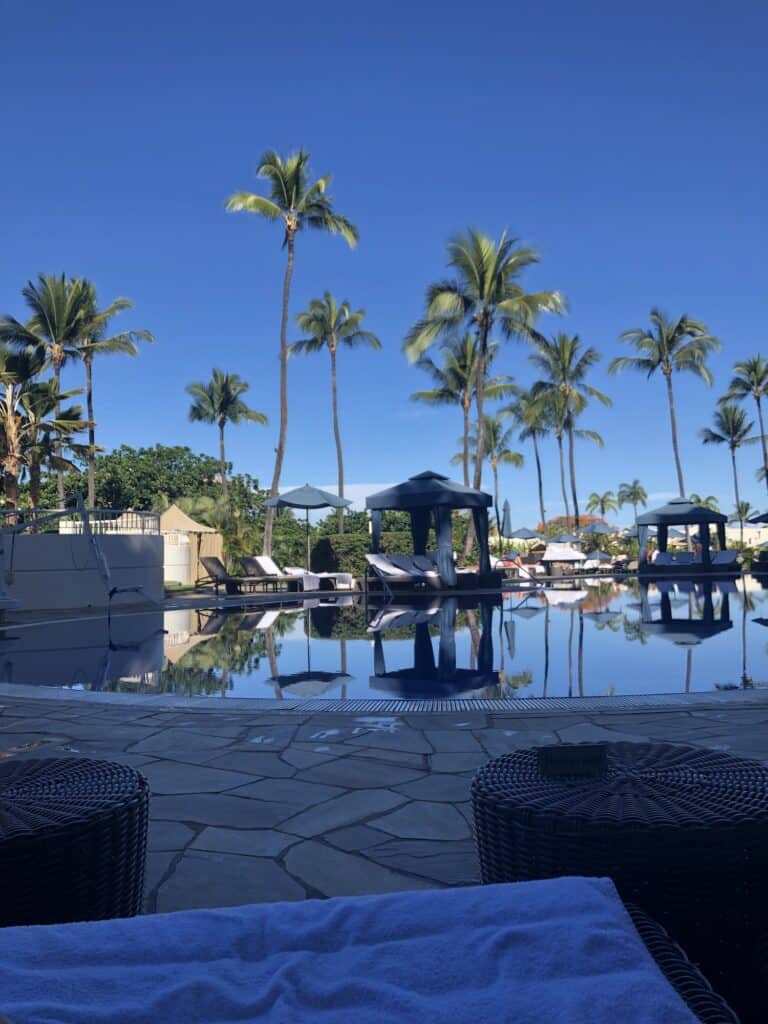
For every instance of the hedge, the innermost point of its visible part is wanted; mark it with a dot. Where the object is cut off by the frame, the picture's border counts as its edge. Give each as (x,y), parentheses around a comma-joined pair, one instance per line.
(345,552)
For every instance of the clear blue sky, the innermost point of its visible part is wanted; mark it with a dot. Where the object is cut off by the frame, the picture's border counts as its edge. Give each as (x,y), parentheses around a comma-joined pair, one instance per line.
(627,144)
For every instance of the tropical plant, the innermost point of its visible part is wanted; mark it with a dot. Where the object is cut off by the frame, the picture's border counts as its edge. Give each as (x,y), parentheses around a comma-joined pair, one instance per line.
(733,429)
(95,340)
(59,307)
(750,379)
(743,511)
(484,293)
(299,204)
(603,503)
(42,428)
(706,501)
(326,324)
(219,401)
(671,346)
(565,363)
(633,494)
(456,383)
(498,438)
(530,415)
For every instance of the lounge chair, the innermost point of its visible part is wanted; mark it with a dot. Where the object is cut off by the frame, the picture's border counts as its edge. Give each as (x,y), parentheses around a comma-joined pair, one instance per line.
(219,577)
(725,559)
(307,580)
(404,574)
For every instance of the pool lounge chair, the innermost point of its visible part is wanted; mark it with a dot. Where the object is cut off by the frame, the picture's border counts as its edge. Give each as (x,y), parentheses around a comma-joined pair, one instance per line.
(219,577)
(264,564)
(401,571)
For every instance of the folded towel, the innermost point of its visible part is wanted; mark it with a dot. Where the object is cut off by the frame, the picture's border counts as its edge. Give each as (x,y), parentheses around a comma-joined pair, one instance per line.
(562,951)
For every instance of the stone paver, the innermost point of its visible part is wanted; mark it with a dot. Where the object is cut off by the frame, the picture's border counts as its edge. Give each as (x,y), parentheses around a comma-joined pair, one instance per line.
(258,804)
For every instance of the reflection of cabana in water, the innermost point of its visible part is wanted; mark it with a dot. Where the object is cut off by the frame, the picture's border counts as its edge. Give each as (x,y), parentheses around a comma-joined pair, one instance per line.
(429,498)
(686,631)
(429,678)
(683,512)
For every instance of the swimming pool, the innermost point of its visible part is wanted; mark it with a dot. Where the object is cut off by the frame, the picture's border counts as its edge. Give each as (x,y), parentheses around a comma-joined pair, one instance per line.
(596,638)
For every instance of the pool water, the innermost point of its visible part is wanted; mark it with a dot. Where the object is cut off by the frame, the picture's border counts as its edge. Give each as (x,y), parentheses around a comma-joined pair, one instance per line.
(600,638)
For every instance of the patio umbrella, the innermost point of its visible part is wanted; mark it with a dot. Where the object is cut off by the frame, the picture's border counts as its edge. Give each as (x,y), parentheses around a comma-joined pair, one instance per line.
(674,534)
(596,528)
(307,497)
(506,522)
(523,533)
(565,538)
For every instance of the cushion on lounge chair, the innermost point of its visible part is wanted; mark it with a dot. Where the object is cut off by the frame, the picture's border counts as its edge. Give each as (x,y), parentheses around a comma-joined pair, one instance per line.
(724,558)
(268,565)
(558,950)
(383,565)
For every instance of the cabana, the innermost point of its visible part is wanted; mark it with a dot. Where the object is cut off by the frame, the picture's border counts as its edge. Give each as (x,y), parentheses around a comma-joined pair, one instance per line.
(683,512)
(702,621)
(185,543)
(430,498)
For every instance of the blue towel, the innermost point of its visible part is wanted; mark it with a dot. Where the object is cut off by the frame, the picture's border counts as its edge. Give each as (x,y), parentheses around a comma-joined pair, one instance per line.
(553,952)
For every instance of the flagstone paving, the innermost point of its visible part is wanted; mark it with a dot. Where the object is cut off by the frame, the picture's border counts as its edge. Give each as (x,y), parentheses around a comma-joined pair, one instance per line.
(256,805)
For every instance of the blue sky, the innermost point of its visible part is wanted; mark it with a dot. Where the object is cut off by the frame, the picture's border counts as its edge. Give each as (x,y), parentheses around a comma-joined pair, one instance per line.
(628,145)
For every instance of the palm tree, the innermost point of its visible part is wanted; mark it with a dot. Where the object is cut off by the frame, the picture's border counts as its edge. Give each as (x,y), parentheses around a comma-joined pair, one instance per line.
(218,401)
(59,307)
(531,418)
(329,325)
(750,378)
(497,452)
(602,502)
(484,293)
(299,204)
(565,363)
(96,341)
(17,371)
(42,428)
(706,501)
(732,428)
(633,494)
(671,346)
(456,383)
(744,510)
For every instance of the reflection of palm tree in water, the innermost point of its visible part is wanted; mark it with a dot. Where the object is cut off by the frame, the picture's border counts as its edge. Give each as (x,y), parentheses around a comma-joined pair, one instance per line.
(343,653)
(474,633)
(570,656)
(747,605)
(581,652)
(269,638)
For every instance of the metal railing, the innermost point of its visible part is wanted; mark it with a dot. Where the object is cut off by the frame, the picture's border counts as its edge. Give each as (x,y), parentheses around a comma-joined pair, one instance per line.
(102,521)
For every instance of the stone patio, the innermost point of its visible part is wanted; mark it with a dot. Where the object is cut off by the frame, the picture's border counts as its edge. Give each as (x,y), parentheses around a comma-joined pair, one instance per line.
(261,805)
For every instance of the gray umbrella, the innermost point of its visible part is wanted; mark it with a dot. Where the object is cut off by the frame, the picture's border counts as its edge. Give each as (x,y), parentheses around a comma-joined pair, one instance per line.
(565,538)
(307,497)
(506,522)
(596,528)
(523,534)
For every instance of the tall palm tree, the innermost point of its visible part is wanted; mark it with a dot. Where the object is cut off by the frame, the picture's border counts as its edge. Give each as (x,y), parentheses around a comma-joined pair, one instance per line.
(219,401)
(750,379)
(456,383)
(42,428)
(557,414)
(299,204)
(498,453)
(633,494)
(603,503)
(485,292)
(326,324)
(534,424)
(671,346)
(744,510)
(565,364)
(734,429)
(59,308)
(17,371)
(95,340)
(706,501)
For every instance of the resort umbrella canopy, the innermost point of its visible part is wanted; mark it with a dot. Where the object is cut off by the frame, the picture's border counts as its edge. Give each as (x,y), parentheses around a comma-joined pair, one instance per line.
(430,496)
(506,522)
(523,533)
(307,497)
(681,512)
(596,528)
(565,538)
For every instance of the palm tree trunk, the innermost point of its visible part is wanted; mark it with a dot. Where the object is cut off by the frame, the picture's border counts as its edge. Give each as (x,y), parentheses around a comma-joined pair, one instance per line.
(280,450)
(91,432)
(562,479)
(495,468)
(634,506)
(480,405)
(763,438)
(223,463)
(572,468)
(57,443)
(673,424)
(337,433)
(11,460)
(34,482)
(465,443)
(736,493)
(539,480)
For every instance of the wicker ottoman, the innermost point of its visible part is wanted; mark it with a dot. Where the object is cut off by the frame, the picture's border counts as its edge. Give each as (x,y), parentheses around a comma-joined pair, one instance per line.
(682,831)
(73,837)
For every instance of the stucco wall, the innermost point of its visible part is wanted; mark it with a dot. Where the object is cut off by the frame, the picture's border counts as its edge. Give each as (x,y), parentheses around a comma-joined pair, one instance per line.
(58,571)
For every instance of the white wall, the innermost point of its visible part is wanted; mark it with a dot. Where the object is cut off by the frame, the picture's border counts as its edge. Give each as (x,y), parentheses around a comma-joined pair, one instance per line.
(58,571)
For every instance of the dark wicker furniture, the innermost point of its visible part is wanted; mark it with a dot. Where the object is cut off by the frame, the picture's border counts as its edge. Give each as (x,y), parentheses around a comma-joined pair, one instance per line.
(682,831)
(73,835)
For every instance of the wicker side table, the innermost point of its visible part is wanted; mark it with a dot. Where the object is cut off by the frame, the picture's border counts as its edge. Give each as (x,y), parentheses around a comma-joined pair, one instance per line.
(682,831)
(73,835)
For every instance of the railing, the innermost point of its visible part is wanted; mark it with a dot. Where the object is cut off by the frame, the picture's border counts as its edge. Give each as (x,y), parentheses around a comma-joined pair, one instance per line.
(102,521)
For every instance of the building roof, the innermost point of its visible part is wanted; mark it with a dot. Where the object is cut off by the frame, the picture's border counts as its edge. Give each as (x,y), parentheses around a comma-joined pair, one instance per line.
(427,490)
(678,512)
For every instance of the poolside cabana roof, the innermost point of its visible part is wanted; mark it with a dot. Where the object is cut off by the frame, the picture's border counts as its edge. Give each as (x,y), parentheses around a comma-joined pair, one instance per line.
(428,496)
(680,512)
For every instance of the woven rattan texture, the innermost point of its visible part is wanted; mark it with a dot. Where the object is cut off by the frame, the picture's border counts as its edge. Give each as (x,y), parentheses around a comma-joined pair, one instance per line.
(73,836)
